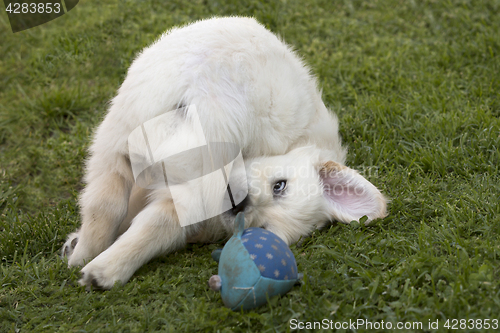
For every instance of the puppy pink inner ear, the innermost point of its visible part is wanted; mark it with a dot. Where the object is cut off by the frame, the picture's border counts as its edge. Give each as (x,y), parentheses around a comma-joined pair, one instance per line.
(349,195)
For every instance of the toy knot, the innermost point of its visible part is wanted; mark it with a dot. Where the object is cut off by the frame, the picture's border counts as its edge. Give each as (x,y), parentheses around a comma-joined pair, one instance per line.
(215,282)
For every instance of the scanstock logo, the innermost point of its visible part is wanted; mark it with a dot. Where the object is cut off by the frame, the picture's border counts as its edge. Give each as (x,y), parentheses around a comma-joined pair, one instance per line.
(25,14)
(171,153)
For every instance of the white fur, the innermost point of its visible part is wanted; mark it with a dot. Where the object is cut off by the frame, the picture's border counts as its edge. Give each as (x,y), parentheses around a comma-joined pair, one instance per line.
(249,88)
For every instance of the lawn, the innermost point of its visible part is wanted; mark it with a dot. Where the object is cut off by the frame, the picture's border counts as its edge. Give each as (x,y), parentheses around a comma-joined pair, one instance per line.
(416,87)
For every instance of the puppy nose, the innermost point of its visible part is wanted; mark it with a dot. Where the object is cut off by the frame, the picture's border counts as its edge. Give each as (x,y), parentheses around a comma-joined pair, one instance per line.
(241,206)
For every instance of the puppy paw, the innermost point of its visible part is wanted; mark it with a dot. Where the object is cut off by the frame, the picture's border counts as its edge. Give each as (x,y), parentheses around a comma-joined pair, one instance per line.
(95,279)
(69,246)
(102,273)
(76,250)
(90,281)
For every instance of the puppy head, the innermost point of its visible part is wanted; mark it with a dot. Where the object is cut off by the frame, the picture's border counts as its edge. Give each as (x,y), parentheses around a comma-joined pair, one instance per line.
(293,194)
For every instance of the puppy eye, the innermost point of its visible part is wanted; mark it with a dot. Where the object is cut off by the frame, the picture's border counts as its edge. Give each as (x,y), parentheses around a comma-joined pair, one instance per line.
(279,187)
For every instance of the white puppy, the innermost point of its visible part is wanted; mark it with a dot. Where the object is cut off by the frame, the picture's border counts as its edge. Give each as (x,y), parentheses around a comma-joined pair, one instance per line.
(250,89)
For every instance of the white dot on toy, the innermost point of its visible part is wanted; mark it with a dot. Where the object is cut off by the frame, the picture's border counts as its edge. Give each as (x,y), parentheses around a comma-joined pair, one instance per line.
(254,265)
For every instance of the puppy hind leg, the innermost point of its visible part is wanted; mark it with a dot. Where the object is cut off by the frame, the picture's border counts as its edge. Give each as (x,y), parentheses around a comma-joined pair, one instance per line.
(154,231)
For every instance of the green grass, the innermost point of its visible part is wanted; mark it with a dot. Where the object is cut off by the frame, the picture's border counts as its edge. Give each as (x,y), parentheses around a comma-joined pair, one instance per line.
(416,86)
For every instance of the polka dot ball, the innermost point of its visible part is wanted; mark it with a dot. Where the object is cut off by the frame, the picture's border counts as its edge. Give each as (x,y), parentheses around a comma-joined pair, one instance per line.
(270,254)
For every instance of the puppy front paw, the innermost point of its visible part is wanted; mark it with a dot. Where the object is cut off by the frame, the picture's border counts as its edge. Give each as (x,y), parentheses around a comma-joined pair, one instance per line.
(96,279)
(89,280)
(99,282)
(102,273)
(76,250)
(69,245)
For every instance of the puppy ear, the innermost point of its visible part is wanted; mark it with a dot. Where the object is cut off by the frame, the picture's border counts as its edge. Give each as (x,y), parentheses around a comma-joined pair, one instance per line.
(349,195)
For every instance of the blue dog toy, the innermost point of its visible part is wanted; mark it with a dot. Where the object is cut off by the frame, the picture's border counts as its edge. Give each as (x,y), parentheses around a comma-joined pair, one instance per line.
(254,265)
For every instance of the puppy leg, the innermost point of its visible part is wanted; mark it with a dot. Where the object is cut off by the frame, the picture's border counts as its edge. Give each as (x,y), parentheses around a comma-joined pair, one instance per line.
(136,203)
(103,204)
(155,230)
